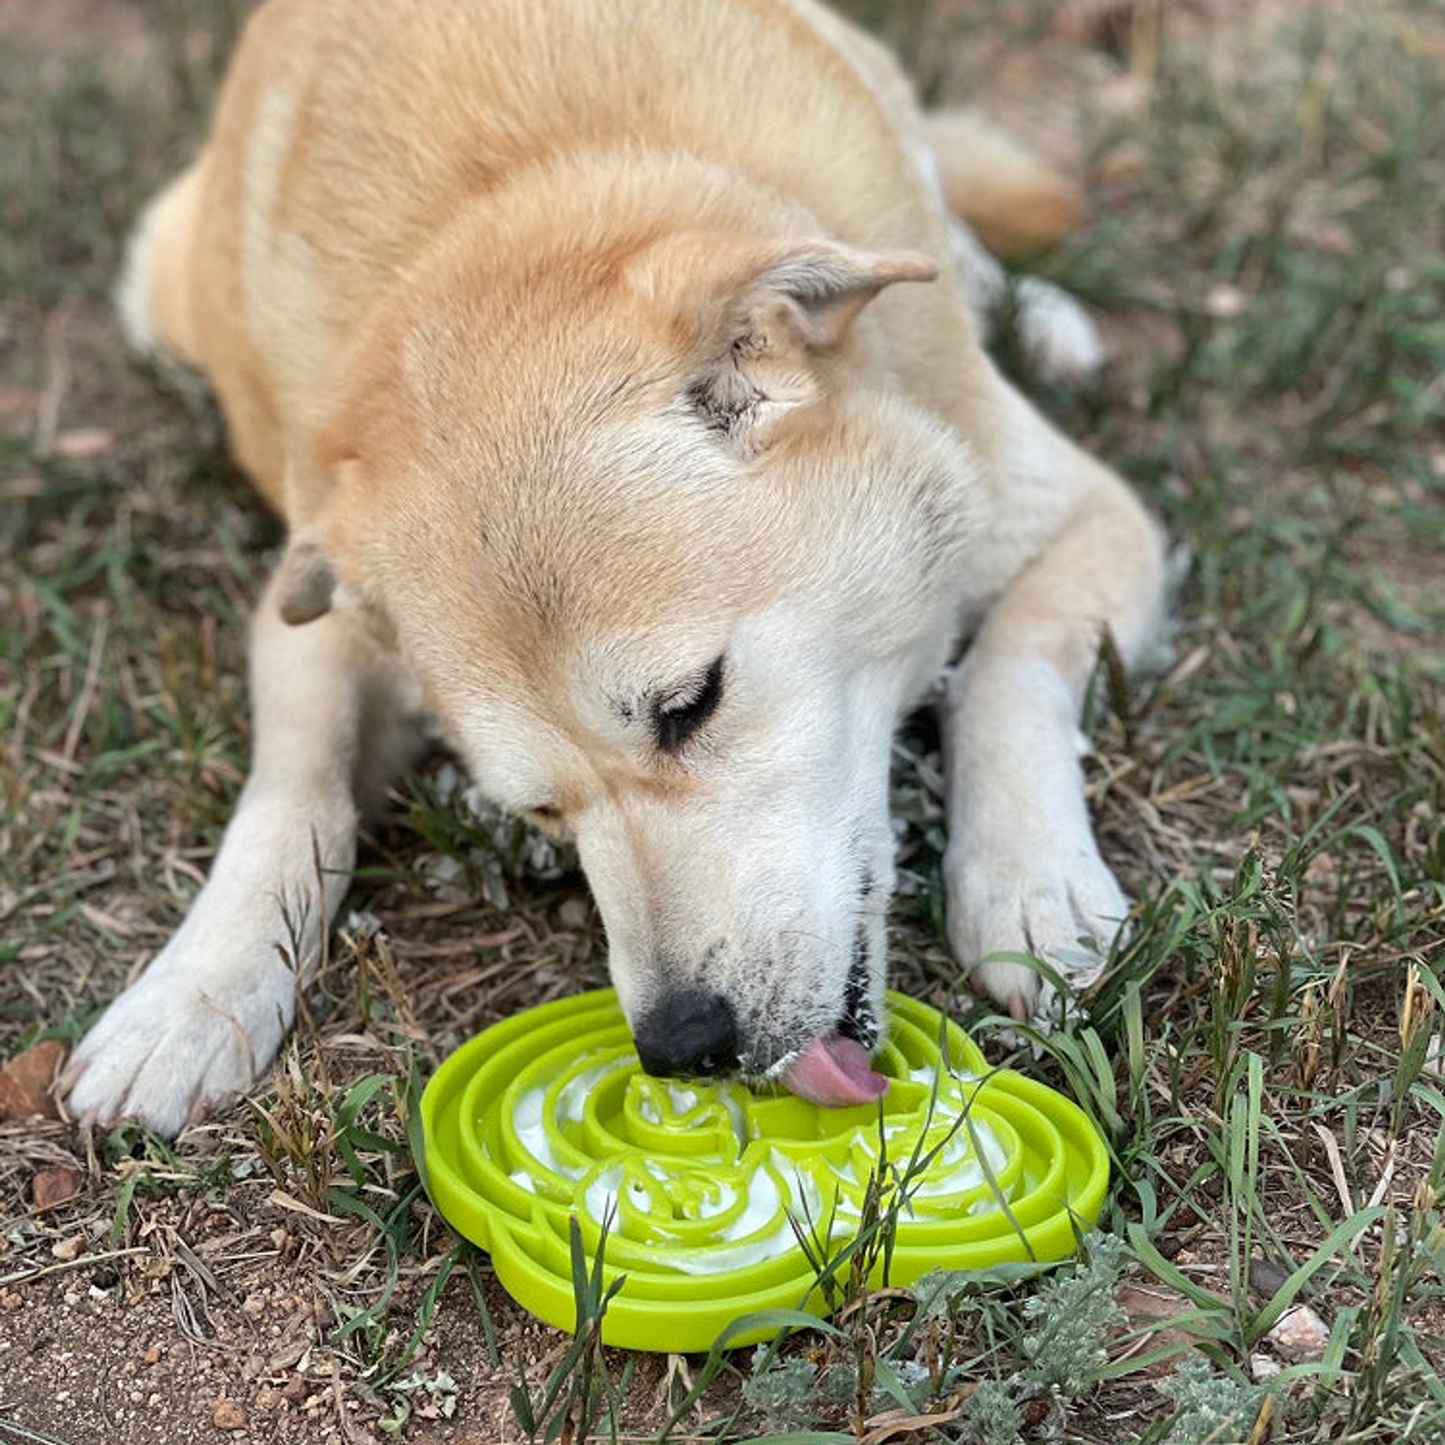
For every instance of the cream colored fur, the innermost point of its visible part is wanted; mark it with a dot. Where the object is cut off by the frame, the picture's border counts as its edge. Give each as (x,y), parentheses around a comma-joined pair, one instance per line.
(584,346)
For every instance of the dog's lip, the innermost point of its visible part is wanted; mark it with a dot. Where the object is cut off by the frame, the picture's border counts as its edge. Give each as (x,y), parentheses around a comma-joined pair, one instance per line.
(857,1021)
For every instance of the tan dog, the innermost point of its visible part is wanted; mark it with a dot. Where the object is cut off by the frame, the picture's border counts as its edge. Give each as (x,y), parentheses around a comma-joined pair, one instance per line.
(573,342)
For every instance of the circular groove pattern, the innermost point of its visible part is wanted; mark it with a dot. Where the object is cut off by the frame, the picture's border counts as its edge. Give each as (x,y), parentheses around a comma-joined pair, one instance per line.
(548,1115)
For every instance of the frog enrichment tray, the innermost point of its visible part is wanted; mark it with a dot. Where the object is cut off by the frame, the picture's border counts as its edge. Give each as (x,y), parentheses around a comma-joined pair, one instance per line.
(548,1115)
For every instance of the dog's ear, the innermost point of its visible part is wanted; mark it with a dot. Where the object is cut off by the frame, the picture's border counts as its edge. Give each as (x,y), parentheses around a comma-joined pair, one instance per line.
(305,582)
(805,297)
(762,318)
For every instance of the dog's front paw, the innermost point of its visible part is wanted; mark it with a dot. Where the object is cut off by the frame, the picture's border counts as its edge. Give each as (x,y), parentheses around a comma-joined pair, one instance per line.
(170,1046)
(1066,912)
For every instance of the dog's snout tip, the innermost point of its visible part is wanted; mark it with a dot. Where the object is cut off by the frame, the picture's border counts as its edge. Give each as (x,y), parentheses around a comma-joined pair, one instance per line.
(687,1034)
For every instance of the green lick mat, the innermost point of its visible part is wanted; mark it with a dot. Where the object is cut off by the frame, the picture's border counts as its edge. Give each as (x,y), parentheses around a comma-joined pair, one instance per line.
(549,1115)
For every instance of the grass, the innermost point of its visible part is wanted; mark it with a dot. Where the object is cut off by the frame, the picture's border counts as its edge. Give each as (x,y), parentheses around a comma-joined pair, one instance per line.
(1265,1052)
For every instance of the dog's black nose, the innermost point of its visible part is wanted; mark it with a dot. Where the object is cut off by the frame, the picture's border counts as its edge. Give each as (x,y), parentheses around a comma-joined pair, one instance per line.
(688,1033)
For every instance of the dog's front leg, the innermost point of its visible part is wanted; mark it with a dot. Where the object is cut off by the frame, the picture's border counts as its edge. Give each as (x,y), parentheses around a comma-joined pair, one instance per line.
(1022,871)
(209,1012)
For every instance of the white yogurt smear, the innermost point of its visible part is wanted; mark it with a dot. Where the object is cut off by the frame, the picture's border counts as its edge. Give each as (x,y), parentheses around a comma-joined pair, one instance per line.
(527,1121)
(573,1094)
(956,1167)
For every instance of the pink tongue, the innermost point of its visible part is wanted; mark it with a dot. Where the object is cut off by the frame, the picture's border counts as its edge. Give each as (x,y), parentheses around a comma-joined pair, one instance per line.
(834,1071)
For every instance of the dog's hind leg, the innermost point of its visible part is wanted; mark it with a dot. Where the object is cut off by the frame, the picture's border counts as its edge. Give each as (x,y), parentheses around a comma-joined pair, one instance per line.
(209,1012)
(1022,870)
(1005,199)
(1055,332)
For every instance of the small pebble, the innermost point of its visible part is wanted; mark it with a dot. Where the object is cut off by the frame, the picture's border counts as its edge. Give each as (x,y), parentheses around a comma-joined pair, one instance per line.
(574,913)
(226,1414)
(84,443)
(1299,1335)
(1225,302)
(1262,1367)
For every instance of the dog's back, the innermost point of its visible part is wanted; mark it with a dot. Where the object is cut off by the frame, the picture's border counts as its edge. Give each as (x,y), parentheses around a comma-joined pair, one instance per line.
(351,132)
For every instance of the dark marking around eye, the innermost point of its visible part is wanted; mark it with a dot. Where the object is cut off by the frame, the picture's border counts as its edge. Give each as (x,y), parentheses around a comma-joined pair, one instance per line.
(675,722)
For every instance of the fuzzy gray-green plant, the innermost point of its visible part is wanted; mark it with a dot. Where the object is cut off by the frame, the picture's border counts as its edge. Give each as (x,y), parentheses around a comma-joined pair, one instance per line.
(1212,1409)
(1071,1316)
(784,1394)
(790,1393)
(990,1415)
(936,1291)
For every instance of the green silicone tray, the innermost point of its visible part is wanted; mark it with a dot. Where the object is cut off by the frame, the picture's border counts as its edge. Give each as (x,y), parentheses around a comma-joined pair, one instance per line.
(548,1115)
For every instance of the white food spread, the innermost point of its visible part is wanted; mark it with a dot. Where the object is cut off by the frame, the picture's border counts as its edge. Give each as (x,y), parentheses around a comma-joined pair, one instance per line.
(527,1120)
(761,1229)
(956,1167)
(573,1094)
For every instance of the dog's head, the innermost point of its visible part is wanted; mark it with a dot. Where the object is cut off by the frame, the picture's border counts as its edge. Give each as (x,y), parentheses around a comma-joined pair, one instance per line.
(667,568)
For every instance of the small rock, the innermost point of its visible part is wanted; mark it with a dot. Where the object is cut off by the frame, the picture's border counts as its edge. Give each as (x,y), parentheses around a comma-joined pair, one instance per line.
(268,1397)
(1262,1367)
(1299,1335)
(574,913)
(1225,302)
(152,1355)
(226,1414)
(84,442)
(25,1082)
(67,1249)
(54,1186)
(1265,1276)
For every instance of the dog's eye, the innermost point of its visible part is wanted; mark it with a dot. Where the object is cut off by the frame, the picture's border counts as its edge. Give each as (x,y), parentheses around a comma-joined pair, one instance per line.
(677,717)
